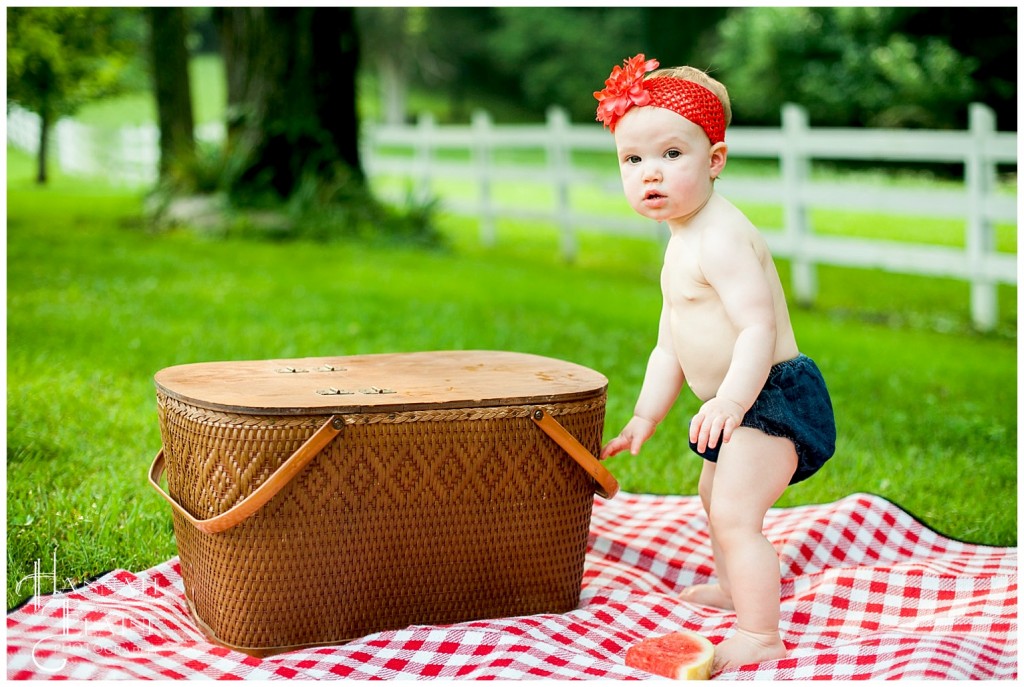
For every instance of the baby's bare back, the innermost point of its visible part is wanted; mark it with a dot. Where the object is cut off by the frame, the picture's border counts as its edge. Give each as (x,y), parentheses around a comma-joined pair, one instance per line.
(703,331)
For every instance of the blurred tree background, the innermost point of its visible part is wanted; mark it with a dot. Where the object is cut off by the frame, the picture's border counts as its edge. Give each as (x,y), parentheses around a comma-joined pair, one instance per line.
(300,80)
(850,66)
(59,58)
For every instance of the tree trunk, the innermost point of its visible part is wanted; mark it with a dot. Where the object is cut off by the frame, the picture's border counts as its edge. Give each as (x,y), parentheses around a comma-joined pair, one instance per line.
(44,145)
(291,81)
(169,54)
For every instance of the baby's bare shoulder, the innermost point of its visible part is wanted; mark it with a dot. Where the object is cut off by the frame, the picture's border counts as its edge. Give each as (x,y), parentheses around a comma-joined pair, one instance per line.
(728,234)
(721,219)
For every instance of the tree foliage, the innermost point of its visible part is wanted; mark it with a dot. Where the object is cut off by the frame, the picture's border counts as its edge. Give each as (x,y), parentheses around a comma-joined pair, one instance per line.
(556,51)
(394,40)
(59,58)
(850,66)
(846,65)
(526,59)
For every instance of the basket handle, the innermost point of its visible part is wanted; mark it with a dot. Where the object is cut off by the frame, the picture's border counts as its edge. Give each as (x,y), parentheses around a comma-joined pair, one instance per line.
(266,491)
(607,485)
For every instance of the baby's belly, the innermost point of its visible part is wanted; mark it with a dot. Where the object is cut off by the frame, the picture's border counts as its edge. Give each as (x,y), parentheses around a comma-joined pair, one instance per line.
(704,366)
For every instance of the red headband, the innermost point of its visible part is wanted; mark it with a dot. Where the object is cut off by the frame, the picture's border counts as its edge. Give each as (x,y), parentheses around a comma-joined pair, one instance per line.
(626,88)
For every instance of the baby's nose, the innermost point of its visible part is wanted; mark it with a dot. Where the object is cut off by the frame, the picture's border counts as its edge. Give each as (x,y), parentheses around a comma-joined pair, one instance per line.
(652,172)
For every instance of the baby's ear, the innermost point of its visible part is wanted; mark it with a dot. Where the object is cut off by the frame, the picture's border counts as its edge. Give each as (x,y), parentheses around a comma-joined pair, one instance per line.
(716,158)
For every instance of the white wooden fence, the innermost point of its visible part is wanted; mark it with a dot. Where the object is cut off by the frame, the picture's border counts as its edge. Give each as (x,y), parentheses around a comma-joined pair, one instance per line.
(980,149)
(127,155)
(130,156)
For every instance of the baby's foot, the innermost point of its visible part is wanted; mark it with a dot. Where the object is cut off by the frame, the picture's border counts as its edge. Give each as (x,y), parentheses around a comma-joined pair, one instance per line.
(747,647)
(707,595)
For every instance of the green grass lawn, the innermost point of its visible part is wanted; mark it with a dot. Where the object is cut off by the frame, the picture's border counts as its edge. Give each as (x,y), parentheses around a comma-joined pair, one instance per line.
(96,305)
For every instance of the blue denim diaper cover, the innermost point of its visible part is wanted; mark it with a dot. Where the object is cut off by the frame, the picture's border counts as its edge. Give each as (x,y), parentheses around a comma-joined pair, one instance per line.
(794,404)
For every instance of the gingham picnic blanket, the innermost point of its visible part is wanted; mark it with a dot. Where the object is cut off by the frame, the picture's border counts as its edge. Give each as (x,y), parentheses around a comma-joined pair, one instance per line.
(867,592)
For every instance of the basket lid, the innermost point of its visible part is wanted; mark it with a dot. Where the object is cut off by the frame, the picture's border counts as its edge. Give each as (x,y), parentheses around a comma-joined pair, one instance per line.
(379,382)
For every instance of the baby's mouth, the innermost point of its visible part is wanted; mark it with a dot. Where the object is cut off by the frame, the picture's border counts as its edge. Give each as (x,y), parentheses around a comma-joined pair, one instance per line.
(652,195)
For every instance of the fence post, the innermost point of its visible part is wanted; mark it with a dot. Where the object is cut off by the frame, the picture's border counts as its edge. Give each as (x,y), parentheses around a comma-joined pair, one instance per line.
(979,177)
(481,124)
(138,160)
(77,150)
(560,166)
(23,129)
(425,125)
(795,173)
(125,154)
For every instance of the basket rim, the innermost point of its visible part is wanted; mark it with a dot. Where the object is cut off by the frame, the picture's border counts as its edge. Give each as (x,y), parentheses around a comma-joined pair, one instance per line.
(426,380)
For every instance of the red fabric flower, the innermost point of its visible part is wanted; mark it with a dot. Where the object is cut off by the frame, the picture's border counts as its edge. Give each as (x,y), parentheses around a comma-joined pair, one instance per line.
(624,88)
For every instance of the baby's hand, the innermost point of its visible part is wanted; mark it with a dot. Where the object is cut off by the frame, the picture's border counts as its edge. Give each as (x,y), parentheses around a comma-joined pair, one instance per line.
(719,416)
(637,431)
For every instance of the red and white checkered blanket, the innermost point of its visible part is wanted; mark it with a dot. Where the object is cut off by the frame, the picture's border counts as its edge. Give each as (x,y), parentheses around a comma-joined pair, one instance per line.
(868,592)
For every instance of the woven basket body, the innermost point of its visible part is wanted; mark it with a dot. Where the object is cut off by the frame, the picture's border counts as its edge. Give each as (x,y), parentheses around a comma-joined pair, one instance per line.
(418,511)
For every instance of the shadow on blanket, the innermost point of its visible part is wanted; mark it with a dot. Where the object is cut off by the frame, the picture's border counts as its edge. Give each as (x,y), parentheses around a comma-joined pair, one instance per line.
(868,592)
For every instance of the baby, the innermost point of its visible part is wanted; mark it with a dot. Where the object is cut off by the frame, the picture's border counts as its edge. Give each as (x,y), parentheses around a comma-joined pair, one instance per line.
(766,421)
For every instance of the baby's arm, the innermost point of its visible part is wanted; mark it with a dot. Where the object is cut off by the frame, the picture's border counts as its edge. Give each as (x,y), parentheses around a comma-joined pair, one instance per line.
(662,382)
(733,270)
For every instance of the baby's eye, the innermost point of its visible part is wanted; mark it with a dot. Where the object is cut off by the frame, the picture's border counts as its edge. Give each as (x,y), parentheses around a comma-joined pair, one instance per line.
(633,159)
(672,154)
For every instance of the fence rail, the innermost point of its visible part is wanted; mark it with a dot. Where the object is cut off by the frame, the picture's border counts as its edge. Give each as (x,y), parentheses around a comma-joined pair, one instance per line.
(130,156)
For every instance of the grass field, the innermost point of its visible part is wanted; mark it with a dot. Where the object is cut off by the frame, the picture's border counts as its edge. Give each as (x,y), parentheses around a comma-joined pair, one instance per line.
(96,305)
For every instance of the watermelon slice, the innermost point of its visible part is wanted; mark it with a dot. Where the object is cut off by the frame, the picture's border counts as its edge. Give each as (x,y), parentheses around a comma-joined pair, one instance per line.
(680,655)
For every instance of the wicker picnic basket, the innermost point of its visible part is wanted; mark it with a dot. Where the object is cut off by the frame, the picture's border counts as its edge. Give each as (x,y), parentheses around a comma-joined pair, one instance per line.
(319,500)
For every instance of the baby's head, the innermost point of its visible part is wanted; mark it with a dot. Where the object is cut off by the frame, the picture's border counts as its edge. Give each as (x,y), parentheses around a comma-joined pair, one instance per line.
(687,91)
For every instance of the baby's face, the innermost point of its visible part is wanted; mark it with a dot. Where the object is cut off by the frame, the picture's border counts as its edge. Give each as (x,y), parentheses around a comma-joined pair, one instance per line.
(664,161)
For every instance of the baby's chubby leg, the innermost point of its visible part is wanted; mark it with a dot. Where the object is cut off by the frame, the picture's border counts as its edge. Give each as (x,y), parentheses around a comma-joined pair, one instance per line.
(716,594)
(752,472)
